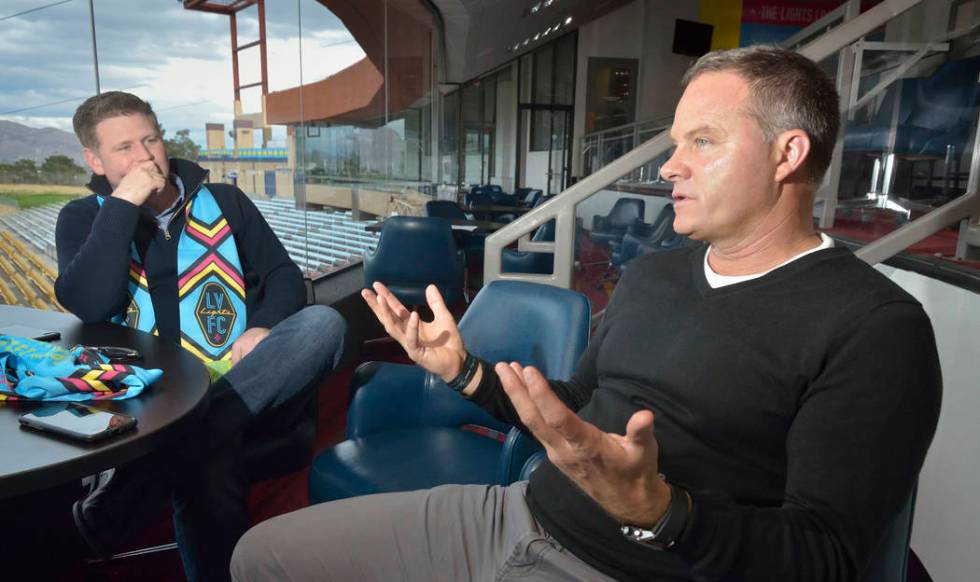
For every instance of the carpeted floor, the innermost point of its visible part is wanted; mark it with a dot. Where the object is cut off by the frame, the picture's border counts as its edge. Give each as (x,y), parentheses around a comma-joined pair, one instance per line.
(872,224)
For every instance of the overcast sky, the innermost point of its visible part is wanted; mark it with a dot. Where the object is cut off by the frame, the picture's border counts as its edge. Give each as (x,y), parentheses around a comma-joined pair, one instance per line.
(177,59)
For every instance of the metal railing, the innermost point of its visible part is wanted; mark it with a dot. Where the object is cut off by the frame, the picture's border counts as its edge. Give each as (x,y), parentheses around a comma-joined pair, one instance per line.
(602,147)
(562,207)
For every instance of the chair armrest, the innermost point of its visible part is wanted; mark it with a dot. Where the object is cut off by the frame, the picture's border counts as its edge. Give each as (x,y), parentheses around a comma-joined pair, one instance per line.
(385,396)
(518,448)
(531,464)
(640,229)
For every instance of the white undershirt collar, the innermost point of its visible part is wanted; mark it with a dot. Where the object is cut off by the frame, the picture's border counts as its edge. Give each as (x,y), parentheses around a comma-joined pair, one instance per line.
(715,280)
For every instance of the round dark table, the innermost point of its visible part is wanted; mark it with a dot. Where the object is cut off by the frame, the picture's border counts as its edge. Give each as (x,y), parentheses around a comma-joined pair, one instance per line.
(30,460)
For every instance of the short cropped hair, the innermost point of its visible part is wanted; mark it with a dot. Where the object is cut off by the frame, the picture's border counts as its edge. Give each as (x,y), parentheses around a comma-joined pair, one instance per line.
(787,91)
(100,107)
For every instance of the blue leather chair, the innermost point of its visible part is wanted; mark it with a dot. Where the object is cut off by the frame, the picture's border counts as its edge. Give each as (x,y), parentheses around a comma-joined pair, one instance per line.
(407,430)
(414,252)
(444,209)
(499,197)
(642,238)
(528,262)
(889,561)
(495,195)
(936,111)
(612,227)
(527,197)
(473,244)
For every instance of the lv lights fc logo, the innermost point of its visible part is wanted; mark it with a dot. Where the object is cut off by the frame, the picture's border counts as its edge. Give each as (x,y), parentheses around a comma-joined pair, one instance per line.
(215,314)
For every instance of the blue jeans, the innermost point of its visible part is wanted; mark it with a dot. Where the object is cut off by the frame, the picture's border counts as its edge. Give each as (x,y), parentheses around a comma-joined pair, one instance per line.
(210,495)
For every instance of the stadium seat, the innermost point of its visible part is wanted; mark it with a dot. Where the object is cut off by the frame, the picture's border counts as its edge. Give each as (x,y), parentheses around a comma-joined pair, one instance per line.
(407,430)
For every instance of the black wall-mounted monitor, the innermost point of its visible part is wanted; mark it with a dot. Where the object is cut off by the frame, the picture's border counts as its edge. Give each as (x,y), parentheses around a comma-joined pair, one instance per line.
(692,38)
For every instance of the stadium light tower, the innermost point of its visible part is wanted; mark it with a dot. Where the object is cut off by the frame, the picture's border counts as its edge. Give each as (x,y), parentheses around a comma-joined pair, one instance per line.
(231,8)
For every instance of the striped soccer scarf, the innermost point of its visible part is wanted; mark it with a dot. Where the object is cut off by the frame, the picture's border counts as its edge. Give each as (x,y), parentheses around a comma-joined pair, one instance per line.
(210,284)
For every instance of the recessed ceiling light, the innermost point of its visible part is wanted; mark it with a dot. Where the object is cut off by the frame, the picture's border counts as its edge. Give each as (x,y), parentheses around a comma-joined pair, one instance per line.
(568,21)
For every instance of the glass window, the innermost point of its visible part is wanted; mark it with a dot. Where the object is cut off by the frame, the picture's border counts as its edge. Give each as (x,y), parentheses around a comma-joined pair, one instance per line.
(449,139)
(611,100)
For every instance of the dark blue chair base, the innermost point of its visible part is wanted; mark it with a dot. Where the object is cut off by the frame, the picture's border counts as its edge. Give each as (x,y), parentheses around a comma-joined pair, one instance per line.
(376,463)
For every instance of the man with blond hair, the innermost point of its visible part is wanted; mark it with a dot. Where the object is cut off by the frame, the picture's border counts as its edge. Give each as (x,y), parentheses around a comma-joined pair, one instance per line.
(158,248)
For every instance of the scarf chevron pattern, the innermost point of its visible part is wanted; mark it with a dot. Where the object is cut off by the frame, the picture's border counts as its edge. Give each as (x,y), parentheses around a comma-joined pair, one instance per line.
(32,370)
(210,284)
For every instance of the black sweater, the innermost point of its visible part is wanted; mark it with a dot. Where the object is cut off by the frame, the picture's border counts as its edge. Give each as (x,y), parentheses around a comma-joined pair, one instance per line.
(796,408)
(94,247)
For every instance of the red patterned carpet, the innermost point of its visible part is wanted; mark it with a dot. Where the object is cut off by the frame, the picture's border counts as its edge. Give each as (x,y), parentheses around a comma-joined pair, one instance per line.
(871,225)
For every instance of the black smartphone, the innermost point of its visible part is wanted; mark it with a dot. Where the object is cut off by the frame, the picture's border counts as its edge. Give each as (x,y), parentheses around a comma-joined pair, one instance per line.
(77,421)
(19,330)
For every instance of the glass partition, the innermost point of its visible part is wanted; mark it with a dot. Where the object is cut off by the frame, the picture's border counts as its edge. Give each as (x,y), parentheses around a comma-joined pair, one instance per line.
(52,60)
(326,118)
(911,97)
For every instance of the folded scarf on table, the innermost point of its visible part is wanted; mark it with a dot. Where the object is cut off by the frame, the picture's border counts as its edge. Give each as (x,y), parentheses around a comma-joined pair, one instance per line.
(34,370)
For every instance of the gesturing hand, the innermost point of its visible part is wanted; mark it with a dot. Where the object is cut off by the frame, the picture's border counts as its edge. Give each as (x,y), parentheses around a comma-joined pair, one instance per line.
(436,346)
(618,472)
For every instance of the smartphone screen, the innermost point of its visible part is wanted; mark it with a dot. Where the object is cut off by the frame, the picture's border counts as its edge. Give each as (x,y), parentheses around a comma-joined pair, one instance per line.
(78,421)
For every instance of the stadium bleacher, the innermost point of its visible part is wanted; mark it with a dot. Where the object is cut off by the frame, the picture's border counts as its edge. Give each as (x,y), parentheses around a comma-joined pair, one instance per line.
(28,274)
(317,241)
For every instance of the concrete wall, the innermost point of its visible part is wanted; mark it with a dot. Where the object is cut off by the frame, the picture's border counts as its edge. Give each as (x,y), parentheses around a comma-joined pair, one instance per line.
(660,69)
(642,30)
(618,34)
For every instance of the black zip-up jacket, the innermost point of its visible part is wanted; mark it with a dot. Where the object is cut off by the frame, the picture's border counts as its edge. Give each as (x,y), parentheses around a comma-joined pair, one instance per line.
(94,251)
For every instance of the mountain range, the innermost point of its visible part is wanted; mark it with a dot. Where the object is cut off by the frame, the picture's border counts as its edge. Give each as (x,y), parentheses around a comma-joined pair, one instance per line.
(19,142)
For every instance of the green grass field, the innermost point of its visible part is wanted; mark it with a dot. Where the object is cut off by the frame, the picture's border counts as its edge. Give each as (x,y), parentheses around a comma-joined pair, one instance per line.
(30,195)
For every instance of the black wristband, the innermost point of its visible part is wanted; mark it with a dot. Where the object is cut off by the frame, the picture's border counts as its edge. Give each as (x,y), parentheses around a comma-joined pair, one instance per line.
(668,529)
(679,512)
(466,373)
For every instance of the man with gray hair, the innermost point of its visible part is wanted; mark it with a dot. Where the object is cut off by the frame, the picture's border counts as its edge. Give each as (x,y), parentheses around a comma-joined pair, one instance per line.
(795,390)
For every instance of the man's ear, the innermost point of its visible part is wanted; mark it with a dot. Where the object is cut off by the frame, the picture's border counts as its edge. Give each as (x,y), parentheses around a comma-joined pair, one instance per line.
(791,149)
(93,161)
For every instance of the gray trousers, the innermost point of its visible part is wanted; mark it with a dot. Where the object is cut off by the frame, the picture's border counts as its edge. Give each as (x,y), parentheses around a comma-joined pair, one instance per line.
(451,533)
